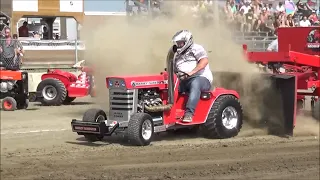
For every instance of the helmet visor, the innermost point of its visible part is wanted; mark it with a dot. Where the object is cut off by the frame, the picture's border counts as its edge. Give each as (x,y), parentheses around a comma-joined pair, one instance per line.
(179,44)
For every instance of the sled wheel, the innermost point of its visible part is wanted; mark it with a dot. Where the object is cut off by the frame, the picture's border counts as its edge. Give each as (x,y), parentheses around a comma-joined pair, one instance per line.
(224,119)
(94,115)
(23,104)
(53,92)
(316,110)
(68,100)
(140,129)
(9,104)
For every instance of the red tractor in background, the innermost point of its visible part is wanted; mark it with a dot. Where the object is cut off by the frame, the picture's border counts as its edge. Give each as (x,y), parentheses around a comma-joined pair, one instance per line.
(298,56)
(13,89)
(59,87)
(141,106)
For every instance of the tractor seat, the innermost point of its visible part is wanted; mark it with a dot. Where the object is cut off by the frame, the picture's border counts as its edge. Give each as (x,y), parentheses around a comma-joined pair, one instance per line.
(204,94)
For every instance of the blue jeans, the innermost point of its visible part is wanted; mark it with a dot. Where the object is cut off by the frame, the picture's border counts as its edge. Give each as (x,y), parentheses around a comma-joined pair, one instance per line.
(194,86)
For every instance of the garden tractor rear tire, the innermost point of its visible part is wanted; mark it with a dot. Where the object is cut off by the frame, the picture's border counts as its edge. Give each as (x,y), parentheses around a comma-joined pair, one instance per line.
(224,119)
(140,129)
(9,104)
(53,92)
(94,115)
(316,110)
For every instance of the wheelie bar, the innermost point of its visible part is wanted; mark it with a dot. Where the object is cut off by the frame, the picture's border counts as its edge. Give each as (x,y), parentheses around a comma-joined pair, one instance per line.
(101,128)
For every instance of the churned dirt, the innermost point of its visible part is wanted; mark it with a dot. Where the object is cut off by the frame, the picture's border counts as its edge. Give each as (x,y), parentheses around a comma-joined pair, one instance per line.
(38,144)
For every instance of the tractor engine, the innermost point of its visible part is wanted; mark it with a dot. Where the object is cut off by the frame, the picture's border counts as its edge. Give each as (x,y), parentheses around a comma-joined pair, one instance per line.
(148,98)
(7,85)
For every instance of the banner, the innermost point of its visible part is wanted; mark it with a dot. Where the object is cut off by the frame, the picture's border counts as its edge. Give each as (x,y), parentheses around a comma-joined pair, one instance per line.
(52,45)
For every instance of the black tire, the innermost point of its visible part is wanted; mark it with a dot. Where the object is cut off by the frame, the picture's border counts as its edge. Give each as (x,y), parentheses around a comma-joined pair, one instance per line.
(316,110)
(68,100)
(23,104)
(93,115)
(135,129)
(9,104)
(59,87)
(213,127)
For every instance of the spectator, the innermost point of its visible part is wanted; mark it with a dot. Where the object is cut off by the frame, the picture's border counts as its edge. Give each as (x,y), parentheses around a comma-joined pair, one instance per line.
(233,8)
(23,30)
(36,34)
(299,5)
(261,22)
(256,9)
(310,4)
(270,9)
(241,20)
(313,17)
(269,24)
(304,22)
(249,20)
(10,50)
(45,33)
(246,7)
(289,22)
(228,12)
(57,37)
(129,7)
(282,19)
(302,9)
(280,8)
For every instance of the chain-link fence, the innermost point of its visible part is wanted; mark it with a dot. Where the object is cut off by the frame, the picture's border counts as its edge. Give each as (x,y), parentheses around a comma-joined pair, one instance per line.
(10,54)
(11,63)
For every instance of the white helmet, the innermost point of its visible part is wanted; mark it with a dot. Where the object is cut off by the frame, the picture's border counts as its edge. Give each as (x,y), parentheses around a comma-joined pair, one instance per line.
(183,40)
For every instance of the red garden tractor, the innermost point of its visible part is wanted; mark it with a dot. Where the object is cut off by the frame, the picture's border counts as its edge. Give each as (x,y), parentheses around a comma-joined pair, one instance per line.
(143,105)
(297,57)
(61,87)
(13,89)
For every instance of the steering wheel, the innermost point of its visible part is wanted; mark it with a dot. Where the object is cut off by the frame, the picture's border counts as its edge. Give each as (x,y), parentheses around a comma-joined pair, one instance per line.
(182,75)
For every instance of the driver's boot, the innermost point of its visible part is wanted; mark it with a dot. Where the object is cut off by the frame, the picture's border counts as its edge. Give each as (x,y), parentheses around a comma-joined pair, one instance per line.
(187,118)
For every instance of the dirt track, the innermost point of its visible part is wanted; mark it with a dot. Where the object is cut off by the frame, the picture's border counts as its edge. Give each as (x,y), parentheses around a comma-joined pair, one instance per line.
(57,153)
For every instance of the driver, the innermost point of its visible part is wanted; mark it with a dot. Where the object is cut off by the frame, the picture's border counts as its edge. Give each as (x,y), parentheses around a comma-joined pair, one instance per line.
(192,61)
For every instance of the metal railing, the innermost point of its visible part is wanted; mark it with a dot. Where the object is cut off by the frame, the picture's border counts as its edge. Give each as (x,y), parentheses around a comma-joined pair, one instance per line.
(256,41)
(47,53)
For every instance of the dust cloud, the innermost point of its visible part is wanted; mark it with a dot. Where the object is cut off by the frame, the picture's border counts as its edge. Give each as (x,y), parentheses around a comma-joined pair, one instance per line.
(307,126)
(116,47)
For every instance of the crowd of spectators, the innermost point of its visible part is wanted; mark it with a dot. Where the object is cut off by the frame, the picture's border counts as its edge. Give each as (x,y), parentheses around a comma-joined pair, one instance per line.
(255,15)
(247,15)
(142,7)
